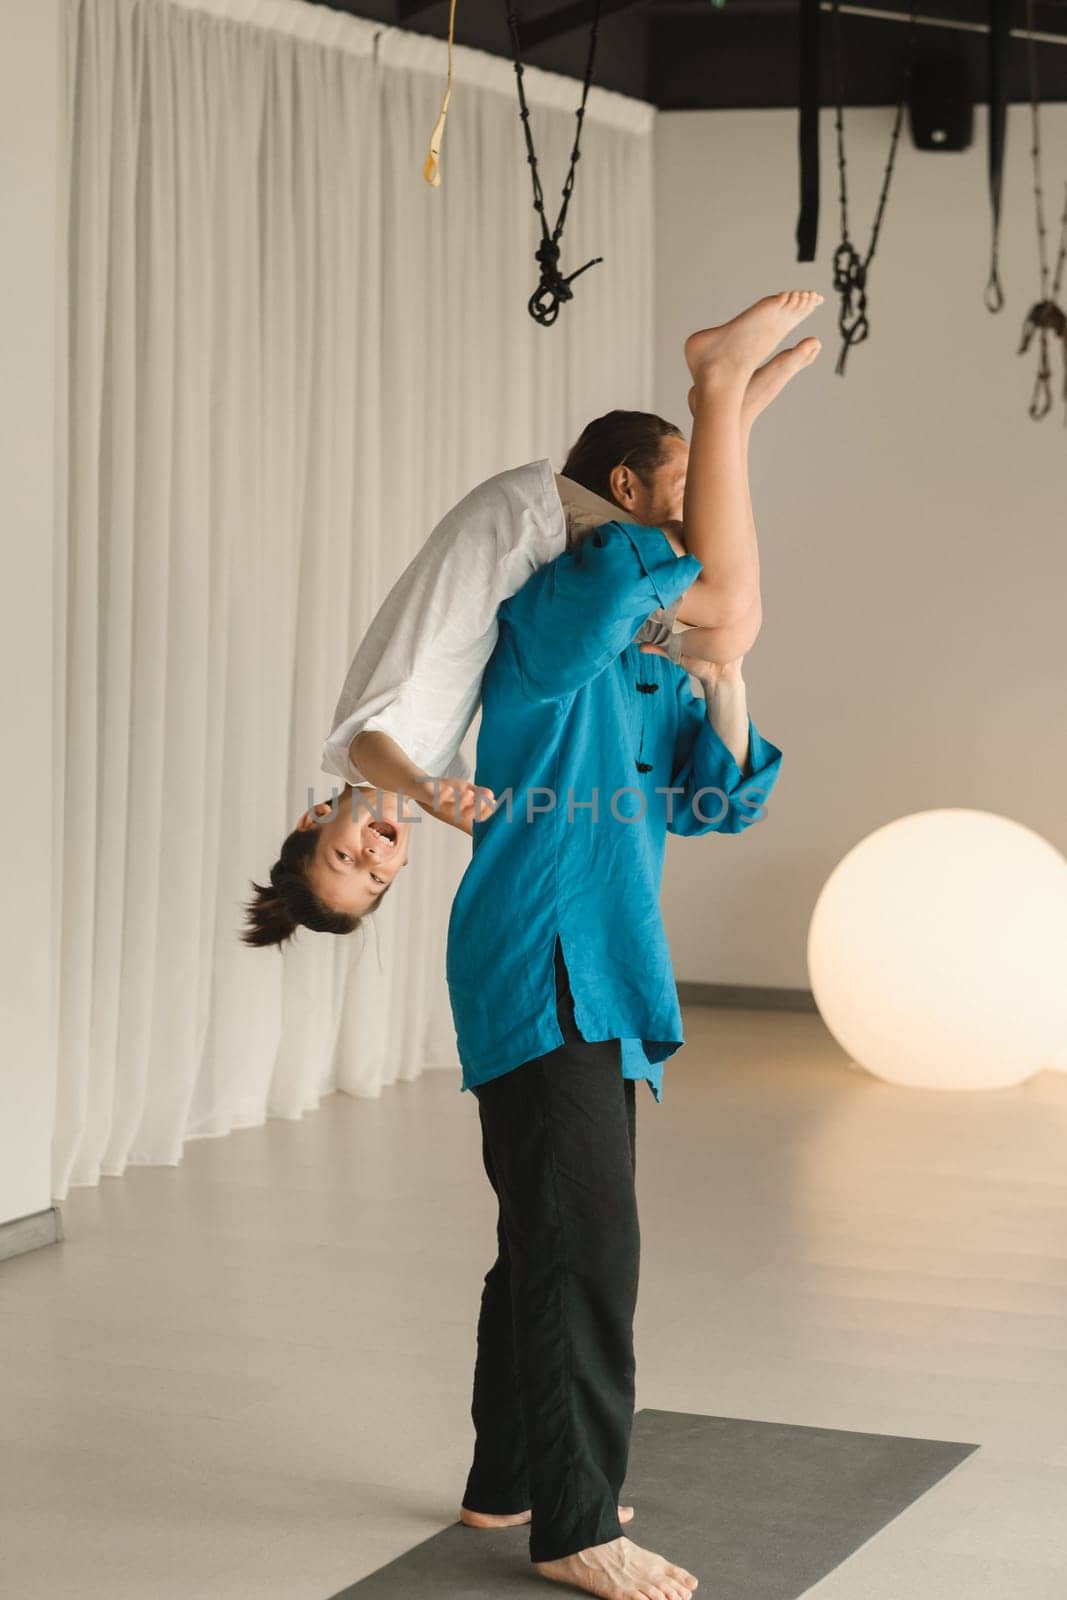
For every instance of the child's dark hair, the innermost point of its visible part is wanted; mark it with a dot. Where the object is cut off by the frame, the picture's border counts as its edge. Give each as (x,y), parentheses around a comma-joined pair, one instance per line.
(619,438)
(290,902)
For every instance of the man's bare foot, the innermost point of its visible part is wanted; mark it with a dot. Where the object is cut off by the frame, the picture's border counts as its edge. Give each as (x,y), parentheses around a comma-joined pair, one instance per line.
(734,349)
(485,1519)
(768,381)
(621,1570)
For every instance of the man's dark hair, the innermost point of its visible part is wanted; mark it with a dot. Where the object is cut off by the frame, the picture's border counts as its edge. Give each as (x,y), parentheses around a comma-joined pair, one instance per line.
(631,439)
(274,915)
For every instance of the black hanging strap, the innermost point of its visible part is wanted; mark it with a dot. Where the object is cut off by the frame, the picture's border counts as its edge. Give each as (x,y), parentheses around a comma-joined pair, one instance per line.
(997,60)
(554,288)
(1047,316)
(850,271)
(808,133)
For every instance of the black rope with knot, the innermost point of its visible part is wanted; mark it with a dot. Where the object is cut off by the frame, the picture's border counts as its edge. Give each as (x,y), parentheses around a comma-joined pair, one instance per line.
(850,271)
(553,289)
(850,278)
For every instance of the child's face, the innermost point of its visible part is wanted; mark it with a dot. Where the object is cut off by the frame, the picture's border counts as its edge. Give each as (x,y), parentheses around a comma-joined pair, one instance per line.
(360,850)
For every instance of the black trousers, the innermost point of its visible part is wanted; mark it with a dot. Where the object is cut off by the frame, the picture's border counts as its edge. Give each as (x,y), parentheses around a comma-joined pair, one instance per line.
(553,1397)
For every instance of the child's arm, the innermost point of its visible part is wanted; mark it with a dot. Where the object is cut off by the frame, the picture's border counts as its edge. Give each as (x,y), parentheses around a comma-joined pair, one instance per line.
(385,765)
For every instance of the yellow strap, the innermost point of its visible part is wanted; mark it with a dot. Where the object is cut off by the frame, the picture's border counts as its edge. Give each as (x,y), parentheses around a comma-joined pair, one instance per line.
(430,170)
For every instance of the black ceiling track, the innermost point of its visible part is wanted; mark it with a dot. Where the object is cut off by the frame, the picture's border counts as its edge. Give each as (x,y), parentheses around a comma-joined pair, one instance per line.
(690,55)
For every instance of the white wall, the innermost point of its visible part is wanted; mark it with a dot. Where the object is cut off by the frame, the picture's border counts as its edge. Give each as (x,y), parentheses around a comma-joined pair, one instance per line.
(29,85)
(912,518)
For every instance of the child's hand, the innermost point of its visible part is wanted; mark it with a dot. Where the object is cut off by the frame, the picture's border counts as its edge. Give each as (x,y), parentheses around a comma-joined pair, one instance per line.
(455,801)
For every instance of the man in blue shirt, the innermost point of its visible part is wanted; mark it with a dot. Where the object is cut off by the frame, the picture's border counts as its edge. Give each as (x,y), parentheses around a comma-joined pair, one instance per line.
(562,994)
(557,963)
(594,751)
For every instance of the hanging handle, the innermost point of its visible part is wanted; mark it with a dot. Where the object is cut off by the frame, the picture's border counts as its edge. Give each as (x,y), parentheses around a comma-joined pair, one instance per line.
(431,170)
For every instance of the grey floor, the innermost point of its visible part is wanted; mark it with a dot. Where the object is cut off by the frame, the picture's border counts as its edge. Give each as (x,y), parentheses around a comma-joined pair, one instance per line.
(250,1375)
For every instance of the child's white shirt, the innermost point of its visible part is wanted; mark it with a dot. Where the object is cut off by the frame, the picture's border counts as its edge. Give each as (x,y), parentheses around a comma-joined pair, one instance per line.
(417,673)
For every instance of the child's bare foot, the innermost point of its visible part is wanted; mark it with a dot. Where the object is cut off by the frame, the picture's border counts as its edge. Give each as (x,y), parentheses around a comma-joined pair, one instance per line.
(768,381)
(621,1570)
(485,1519)
(734,349)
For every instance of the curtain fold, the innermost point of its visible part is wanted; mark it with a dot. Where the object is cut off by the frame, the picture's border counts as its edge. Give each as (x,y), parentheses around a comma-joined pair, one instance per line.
(285,356)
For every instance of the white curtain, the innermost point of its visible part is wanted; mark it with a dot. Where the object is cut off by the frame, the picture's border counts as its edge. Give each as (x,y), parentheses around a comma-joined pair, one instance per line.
(285,357)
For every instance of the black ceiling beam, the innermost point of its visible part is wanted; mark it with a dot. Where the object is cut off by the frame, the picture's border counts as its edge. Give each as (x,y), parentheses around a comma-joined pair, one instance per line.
(689,55)
(928,19)
(729,60)
(555,23)
(538,29)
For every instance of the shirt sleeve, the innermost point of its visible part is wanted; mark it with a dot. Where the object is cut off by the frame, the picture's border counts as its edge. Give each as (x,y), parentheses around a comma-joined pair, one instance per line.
(734,799)
(580,611)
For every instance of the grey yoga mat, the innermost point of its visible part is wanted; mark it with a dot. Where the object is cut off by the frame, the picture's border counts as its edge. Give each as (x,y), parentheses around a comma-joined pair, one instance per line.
(755,1510)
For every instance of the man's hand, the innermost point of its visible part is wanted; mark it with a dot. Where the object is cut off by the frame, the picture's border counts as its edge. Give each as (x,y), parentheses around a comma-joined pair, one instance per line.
(710,673)
(455,801)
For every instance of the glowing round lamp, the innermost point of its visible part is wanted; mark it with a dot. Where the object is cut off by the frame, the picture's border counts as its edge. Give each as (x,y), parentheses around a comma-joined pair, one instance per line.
(937,951)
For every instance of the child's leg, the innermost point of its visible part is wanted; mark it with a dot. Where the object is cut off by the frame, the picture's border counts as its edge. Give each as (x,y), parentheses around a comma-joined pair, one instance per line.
(765,384)
(718,523)
(707,643)
(746,432)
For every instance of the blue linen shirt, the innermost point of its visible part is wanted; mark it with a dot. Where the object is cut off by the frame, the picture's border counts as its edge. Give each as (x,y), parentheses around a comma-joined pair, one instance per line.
(575,846)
